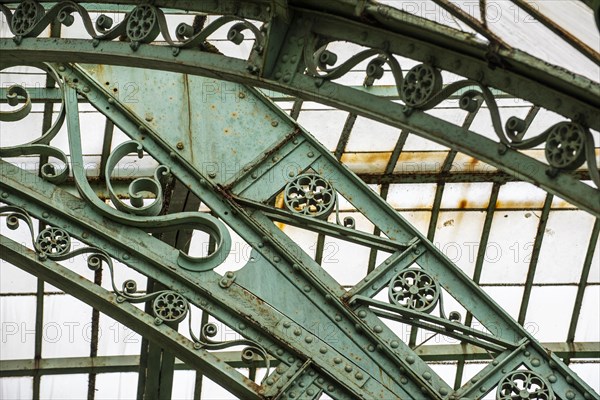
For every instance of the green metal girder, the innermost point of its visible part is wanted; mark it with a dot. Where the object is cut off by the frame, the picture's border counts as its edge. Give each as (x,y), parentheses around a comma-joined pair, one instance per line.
(365,201)
(127,314)
(361,103)
(112,364)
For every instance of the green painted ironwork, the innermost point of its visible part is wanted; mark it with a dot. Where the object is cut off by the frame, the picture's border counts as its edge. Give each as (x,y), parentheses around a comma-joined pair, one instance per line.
(286,308)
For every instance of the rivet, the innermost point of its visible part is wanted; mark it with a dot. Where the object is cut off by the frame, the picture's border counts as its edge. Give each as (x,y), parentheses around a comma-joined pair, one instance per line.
(371,347)
(125,256)
(570,394)
(526,353)
(4,195)
(85,235)
(111,100)
(44,214)
(495,362)
(180,145)
(270,381)
(254,175)
(377,329)
(86,89)
(323,350)
(149,117)
(301,384)
(295,141)
(403,380)
(275,159)
(410,359)
(362,313)
(308,339)
(569,380)
(297,332)
(535,362)
(427,375)
(274,123)
(212,175)
(330,388)
(307,288)
(552,378)
(328,297)
(337,360)
(286,324)
(310,392)
(242,326)
(358,376)
(443,391)
(291,174)
(278,75)
(291,359)
(242,95)
(474,380)
(230,274)
(483,389)
(285,58)
(394,344)
(279,352)
(338,317)
(310,154)
(292,395)
(276,259)
(287,77)
(321,381)
(280,370)
(61,68)
(294,59)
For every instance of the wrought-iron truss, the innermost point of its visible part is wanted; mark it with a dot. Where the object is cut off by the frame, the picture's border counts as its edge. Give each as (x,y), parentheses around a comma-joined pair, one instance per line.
(307,335)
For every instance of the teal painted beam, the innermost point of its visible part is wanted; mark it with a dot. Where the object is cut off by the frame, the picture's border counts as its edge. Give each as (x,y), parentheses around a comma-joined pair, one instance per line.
(128,314)
(348,99)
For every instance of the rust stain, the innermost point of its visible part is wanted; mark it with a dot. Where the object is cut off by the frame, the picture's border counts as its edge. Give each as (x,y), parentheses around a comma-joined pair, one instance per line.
(279,204)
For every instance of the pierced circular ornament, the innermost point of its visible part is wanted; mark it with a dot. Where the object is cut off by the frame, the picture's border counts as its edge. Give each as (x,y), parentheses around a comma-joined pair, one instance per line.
(310,194)
(26,16)
(420,84)
(524,384)
(415,289)
(53,241)
(170,307)
(142,25)
(565,146)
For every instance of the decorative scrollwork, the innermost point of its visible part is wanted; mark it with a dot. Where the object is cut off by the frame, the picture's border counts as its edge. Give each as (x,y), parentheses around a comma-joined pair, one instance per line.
(321,63)
(53,241)
(415,289)
(153,185)
(142,24)
(210,330)
(525,385)
(170,306)
(40,146)
(311,195)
